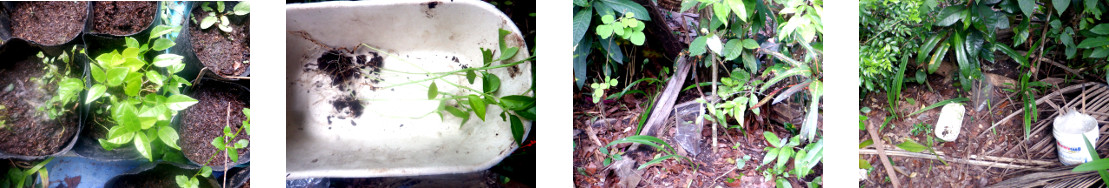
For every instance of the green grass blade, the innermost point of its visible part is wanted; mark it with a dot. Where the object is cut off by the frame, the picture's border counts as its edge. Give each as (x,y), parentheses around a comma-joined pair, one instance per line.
(941,103)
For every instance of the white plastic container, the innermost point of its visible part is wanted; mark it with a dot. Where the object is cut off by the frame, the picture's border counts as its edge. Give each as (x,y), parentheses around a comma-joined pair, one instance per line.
(1068,130)
(395,135)
(950,122)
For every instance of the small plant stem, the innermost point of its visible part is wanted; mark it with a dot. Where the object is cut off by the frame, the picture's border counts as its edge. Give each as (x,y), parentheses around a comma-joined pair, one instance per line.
(445,74)
(714,78)
(227,123)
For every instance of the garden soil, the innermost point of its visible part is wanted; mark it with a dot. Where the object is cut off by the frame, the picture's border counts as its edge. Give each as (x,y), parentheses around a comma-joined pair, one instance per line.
(220,104)
(123,17)
(221,53)
(48,23)
(24,130)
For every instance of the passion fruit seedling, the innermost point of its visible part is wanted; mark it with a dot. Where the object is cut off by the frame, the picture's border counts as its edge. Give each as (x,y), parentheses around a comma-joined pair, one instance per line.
(221,143)
(219,14)
(137,96)
(67,88)
(517,107)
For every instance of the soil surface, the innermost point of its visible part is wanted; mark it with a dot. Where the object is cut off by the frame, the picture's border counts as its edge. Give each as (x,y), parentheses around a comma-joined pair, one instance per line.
(621,118)
(24,130)
(123,17)
(975,138)
(220,104)
(48,23)
(223,53)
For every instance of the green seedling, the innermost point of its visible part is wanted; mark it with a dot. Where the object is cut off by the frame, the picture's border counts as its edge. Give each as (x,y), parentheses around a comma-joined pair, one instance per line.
(599,88)
(221,143)
(137,96)
(18,178)
(627,27)
(219,14)
(68,88)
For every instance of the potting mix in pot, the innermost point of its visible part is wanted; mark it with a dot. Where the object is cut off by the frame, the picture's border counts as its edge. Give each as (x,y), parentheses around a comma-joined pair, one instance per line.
(38,103)
(220,39)
(48,23)
(122,18)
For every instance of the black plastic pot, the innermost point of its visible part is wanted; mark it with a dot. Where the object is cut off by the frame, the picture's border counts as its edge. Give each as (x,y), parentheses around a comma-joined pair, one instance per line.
(48,49)
(99,43)
(184,47)
(142,34)
(237,177)
(16,50)
(241,85)
(164,172)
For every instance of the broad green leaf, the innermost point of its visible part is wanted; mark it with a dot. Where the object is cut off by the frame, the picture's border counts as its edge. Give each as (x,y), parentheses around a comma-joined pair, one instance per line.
(628,7)
(800,70)
(863,164)
(1095,165)
(242,143)
(715,45)
(950,15)
(97,73)
(783,156)
(912,146)
(208,21)
(168,136)
(517,102)
(95,92)
(162,44)
(750,44)
(1060,6)
(142,144)
(206,171)
(165,60)
(508,53)
(1093,42)
(772,138)
(490,83)
(1027,6)
(432,91)
(771,154)
(582,19)
(638,38)
(720,11)
(642,139)
(158,31)
(470,75)
(517,130)
(937,57)
(131,42)
(929,45)
(732,49)
(478,105)
(242,8)
(233,154)
(455,111)
(739,9)
(116,76)
(179,102)
(1012,54)
(1101,29)
(697,47)
(133,87)
(155,77)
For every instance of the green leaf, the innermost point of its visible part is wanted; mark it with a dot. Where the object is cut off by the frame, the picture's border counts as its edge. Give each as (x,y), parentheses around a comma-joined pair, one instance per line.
(158,31)
(95,92)
(657,160)
(165,60)
(1101,29)
(628,7)
(638,38)
(242,143)
(233,154)
(131,42)
(97,73)
(478,105)
(1012,54)
(206,171)
(490,83)
(508,53)
(155,78)
(941,103)
(162,44)
(1060,6)
(772,138)
(116,76)
(1027,6)
(242,8)
(608,19)
(642,139)
(455,111)
(517,130)
(949,15)
(582,19)
(179,102)
(783,156)
(432,91)
(800,70)
(750,44)
(142,144)
(911,146)
(183,181)
(929,45)
(207,22)
(517,102)
(739,9)
(720,11)
(133,86)
(732,49)
(1093,42)
(697,47)
(168,136)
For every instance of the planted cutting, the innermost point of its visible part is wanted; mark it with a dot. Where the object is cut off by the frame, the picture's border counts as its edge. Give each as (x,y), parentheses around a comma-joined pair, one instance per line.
(38,102)
(133,98)
(212,131)
(220,36)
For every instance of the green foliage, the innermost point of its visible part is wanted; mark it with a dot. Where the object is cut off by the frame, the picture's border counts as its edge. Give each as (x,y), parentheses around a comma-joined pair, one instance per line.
(888,28)
(1098,164)
(18,178)
(137,96)
(621,17)
(67,87)
(739,94)
(782,151)
(648,141)
(218,14)
(599,88)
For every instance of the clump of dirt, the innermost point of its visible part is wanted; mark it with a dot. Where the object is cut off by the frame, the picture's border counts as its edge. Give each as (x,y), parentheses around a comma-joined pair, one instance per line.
(24,129)
(353,105)
(123,17)
(220,104)
(223,53)
(342,66)
(48,23)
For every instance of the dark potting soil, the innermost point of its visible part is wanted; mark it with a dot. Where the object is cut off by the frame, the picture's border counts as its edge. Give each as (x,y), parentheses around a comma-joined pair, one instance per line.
(49,23)
(222,53)
(342,67)
(24,130)
(205,120)
(348,102)
(123,17)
